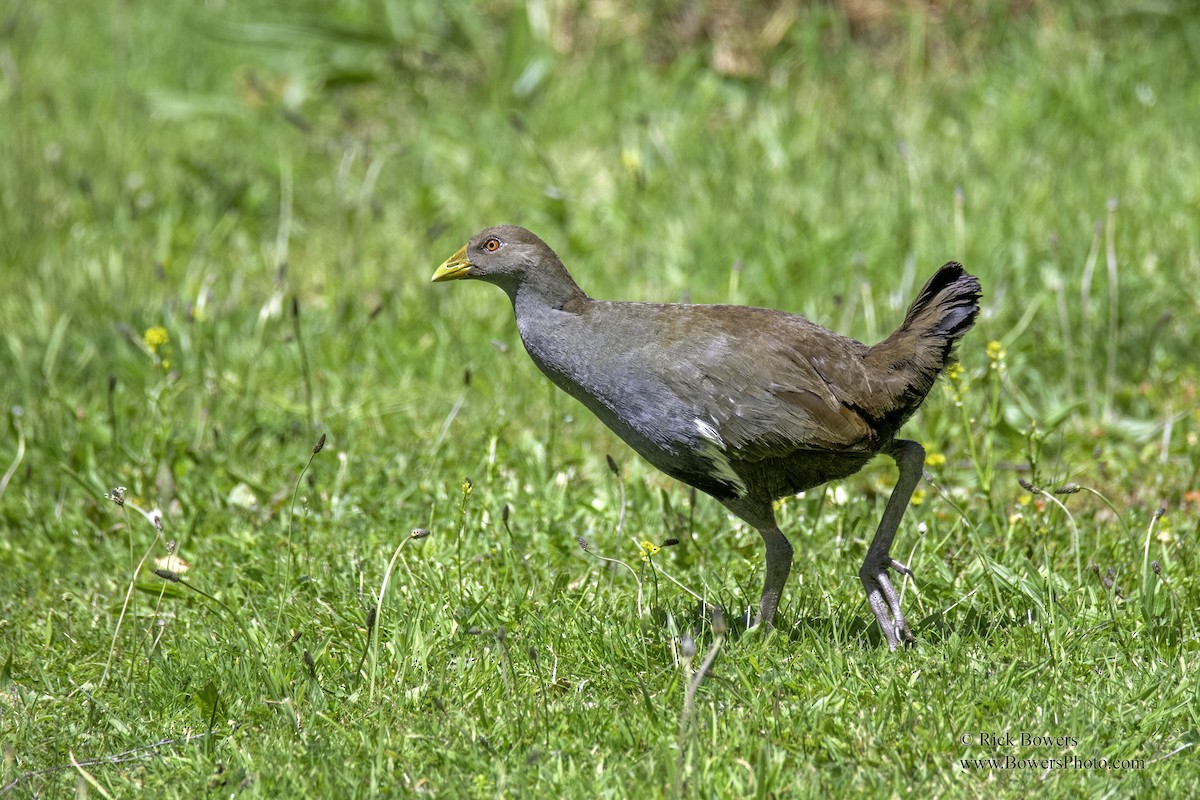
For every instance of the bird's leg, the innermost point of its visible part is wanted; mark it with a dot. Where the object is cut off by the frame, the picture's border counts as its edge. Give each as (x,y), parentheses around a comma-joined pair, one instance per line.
(779,566)
(758,513)
(885,602)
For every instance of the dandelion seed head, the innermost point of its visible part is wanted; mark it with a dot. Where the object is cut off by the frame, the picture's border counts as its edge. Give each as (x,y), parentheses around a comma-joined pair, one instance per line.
(719,627)
(687,647)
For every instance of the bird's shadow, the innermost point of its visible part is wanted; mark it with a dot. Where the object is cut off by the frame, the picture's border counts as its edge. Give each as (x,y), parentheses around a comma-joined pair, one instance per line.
(852,623)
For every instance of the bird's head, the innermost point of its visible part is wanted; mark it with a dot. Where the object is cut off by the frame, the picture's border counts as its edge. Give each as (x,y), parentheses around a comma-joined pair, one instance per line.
(502,255)
(515,260)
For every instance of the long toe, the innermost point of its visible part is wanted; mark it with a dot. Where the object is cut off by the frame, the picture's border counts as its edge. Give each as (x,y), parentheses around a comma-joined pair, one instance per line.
(885,602)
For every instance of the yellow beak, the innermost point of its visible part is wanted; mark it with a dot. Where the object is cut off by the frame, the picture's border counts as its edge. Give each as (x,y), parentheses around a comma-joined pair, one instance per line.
(455,267)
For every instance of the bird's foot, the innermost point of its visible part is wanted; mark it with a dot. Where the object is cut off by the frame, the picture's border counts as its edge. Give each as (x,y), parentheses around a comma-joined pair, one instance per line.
(760,626)
(885,600)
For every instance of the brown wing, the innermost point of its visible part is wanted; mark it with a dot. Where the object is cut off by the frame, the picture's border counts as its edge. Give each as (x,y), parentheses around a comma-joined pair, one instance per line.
(773,384)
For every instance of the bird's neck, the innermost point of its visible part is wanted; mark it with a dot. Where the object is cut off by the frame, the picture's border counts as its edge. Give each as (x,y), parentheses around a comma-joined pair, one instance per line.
(549,288)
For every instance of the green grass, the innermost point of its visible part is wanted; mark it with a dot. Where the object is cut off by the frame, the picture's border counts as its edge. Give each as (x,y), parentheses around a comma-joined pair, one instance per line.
(273,186)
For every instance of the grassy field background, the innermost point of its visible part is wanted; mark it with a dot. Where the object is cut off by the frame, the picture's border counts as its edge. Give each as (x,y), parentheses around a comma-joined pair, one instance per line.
(217,227)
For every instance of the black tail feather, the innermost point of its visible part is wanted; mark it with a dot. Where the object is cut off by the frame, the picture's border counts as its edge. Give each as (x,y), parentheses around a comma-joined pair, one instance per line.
(923,345)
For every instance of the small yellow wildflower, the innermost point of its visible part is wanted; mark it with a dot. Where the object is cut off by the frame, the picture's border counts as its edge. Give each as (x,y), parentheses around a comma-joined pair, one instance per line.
(935,460)
(631,160)
(649,549)
(1164,534)
(467,487)
(996,355)
(954,371)
(918,497)
(156,337)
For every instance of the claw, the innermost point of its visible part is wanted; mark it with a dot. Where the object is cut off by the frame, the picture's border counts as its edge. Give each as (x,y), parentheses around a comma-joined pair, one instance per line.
(885,602)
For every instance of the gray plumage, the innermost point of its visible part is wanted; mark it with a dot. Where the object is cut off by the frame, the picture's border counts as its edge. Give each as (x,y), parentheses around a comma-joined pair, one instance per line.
(746,404)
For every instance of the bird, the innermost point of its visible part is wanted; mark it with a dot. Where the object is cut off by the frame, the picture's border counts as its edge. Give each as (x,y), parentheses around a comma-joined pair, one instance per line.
(746,404)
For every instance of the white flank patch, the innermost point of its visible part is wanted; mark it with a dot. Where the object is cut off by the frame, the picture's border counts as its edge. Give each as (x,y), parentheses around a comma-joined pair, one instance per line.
(709,432)
(714,448)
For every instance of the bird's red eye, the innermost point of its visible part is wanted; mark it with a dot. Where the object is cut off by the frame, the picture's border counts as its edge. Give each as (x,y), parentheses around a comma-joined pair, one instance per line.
(492,245)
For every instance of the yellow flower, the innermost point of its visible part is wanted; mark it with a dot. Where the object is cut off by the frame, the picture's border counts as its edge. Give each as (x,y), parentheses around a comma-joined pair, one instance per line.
(954,371)
(156,337)
(995,351)
(649,549)
(631,160)
(1164,534)
(918,497)
(935,460)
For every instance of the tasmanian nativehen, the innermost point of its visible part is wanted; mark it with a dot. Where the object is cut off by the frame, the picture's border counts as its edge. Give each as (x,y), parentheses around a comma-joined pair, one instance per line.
(746,404)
